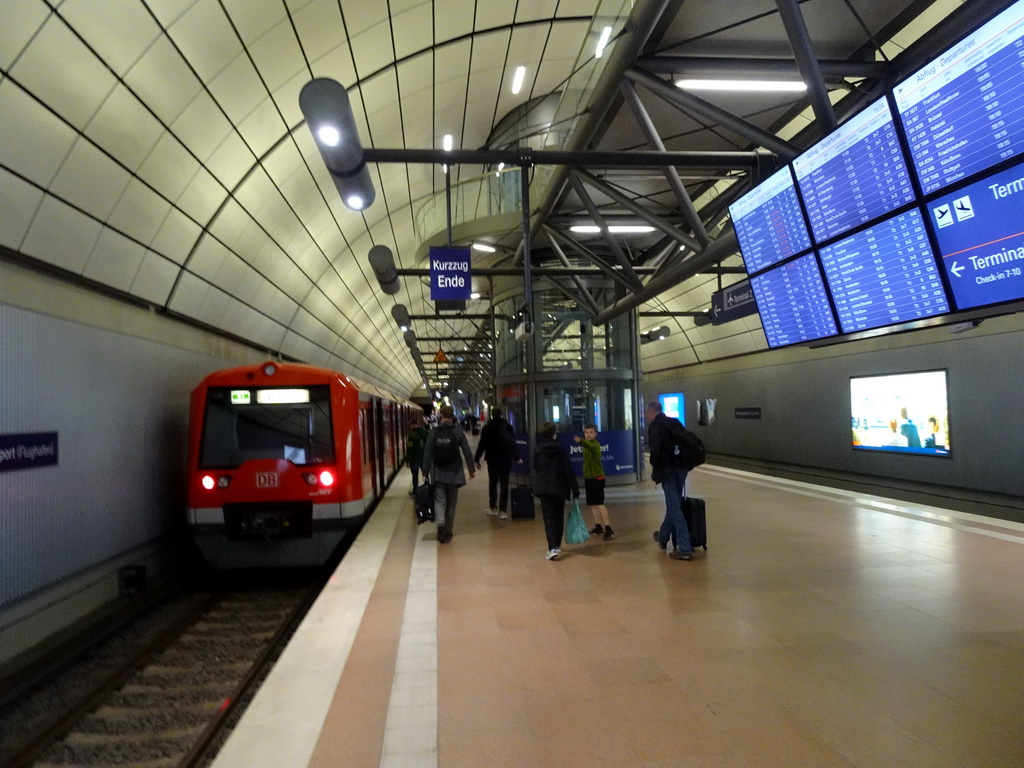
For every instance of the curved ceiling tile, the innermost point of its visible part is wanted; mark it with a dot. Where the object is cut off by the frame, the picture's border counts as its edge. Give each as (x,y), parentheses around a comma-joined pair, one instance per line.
(314,328)
(124,128)
(454,18)
(302,348)
(33,141)
(61,235)
(115,261)
(155,279)
(202,197)
(231,161)
(91,180)
(60,71)
(118,30)
(263,128)
(237,89)
(207,259)
(372,50)
(139,213)
(231,274)
(492,15)
(360,17)
(202,127)
(411,30)
(319,28)
(278,57)
(273,302)
(19,201)
(254,18)
(176,237)
(206,39)
(170,167)
(22,21)
(531,10)
(163,81)
(231,221)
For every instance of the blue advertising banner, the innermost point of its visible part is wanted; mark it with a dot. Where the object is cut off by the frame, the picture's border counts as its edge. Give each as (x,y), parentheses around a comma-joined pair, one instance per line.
(27,451)
(617,455)
(981,239)
(450,278)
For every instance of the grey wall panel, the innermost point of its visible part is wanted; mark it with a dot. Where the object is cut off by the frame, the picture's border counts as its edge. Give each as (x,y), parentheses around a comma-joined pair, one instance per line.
(119,403)
(804,397)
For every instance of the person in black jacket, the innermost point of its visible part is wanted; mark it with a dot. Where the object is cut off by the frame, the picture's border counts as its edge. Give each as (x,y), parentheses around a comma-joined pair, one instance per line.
(498,448)
(555,482)
(666,469)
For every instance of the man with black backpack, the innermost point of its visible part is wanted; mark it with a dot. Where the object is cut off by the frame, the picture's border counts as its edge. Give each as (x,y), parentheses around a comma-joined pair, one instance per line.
(498,448)
(442,463)
(669,466)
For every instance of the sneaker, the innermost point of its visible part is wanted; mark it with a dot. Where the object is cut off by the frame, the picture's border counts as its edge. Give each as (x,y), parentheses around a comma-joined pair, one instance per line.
(492,512)
(658,541)
(598,531)
(503,515)
(678,554)
(609,534)
(553,554)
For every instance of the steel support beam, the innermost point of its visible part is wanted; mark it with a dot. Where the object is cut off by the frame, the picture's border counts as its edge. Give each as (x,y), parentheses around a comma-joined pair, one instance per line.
(671,174)
(758,69)
(573,159)
(687,102)
(807,63)
(598,219)
(602,268)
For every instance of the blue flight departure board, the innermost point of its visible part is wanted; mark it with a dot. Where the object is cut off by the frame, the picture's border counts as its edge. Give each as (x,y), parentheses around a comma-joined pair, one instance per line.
(980,231)
(962,112)
(885,274)
(855,174)
(792,302)
(769,223)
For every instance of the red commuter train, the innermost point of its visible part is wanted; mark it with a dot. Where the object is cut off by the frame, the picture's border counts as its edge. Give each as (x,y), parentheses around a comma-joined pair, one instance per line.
(282,458)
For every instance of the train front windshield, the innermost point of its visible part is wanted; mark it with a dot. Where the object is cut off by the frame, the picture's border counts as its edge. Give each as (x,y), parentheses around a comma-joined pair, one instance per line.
(266,423)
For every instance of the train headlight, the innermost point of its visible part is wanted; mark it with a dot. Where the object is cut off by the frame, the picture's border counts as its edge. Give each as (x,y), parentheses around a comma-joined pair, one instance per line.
(326,478)
(208,482)
(223,481)
(310,478)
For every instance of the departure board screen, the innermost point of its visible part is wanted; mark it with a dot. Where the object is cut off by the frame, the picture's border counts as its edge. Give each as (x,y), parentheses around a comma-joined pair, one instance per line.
(769,223)
(962,112)
(980,231)
(792,302)
(885,274)
(855,174)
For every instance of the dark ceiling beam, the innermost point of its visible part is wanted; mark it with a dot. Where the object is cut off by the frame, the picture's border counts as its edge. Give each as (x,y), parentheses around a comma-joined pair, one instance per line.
(724,245)
(691,104)
(671,174)
(537,271)
(598,219)
(631,205)
(807,63)
(588,299)
(604,269)
(574,159)
(757,69)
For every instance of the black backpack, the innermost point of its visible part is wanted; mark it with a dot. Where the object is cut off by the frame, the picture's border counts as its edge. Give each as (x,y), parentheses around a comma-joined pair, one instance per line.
(446,447)
(687,448)
(506,442)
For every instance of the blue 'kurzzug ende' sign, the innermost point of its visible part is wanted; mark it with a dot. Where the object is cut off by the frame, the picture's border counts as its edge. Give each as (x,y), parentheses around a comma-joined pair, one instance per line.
(449,274)
(27,451)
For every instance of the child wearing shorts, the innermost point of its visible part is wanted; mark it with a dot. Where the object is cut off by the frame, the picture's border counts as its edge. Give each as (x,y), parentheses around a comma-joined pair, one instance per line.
(593,481)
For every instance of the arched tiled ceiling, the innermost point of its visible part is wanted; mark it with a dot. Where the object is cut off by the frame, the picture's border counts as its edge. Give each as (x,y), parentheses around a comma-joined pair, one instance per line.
(155,147)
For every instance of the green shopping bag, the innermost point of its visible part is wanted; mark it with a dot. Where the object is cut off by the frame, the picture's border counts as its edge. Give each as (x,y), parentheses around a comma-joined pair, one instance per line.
(575,528)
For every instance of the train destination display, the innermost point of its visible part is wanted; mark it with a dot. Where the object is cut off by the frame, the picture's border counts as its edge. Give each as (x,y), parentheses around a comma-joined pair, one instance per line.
(793,304)
(884,275)
(962,111)
(855,174)
(769,223)
(980,232)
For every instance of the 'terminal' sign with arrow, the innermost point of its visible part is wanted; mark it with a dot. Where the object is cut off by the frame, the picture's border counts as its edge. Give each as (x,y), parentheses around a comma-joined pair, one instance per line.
(732,303)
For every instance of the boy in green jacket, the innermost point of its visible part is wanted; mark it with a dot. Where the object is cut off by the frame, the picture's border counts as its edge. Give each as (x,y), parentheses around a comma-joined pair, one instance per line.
(593,481)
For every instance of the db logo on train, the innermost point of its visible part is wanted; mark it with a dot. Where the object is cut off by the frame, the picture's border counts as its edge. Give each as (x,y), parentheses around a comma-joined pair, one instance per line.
(266,479)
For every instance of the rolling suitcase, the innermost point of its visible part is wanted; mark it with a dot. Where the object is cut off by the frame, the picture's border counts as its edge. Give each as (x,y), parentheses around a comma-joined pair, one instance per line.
(696,521)
(522,503)
(424,503)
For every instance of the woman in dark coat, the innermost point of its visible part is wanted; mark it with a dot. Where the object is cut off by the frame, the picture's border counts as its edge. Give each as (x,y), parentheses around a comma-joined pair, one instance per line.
(555,482)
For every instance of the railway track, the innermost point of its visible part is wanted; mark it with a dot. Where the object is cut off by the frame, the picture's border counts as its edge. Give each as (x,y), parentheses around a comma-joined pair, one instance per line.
(166,704)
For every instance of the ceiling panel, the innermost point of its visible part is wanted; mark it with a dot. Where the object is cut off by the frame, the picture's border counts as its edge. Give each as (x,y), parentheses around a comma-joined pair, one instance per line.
(19,202)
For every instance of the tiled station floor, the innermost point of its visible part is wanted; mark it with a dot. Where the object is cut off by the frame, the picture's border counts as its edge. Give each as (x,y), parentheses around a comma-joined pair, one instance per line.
(822,628)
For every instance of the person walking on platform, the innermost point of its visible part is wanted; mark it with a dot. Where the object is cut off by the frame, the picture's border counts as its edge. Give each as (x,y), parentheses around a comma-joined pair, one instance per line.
(593,481)
(414,446)
(498,448)
(555,482)
(442,463)
(667,470)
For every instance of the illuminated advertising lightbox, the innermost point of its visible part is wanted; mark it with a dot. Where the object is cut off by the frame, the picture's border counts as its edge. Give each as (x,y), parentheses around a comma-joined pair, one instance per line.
(901,413)
(674,405)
